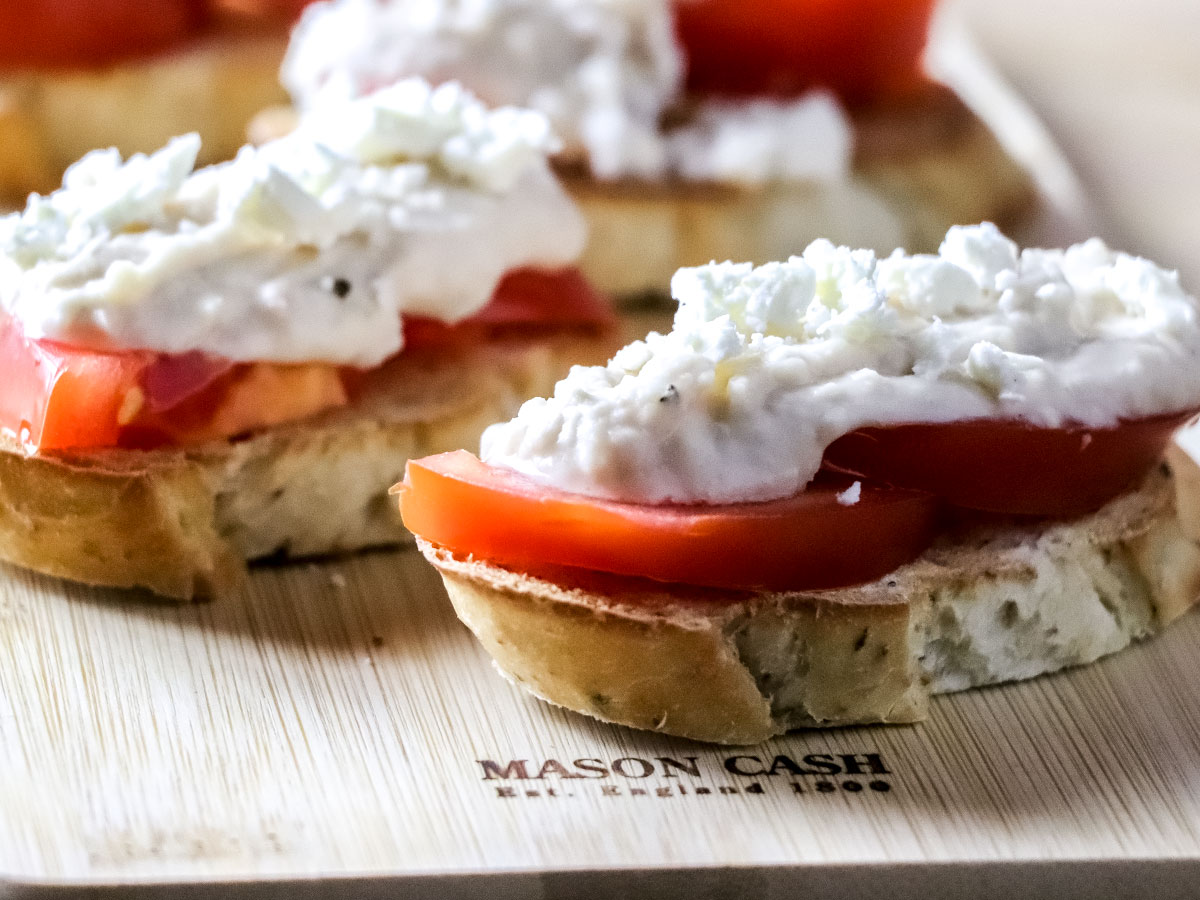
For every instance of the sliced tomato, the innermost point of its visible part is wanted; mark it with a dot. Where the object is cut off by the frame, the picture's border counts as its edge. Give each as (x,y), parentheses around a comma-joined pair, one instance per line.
(559,297)
(526,300)
(58,34)
(811,541)
(1009,466)
(171,380)
(241,399)
(864,50)
(55,396)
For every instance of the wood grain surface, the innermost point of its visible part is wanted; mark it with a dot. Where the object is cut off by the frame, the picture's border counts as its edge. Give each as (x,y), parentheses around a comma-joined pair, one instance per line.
(335,721)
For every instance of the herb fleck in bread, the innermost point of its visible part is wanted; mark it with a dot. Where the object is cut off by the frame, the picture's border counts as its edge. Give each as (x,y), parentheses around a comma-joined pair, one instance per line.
(183,521)
(996,602)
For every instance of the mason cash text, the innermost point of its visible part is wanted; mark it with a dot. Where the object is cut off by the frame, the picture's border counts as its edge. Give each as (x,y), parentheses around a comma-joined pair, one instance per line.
(666,776)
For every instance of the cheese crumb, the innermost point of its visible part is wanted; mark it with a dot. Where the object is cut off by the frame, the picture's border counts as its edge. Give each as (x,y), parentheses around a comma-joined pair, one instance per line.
(850,495)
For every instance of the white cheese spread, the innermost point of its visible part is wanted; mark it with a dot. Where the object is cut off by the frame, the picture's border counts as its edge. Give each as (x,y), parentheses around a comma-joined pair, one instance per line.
(605,72)
(411,200)
(765,367)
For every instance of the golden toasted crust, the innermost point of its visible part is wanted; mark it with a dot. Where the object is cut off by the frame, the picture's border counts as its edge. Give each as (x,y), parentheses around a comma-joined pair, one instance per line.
(114,522)
(919,168)
(182,522)
(1187,473)
(213,85)
(999,602)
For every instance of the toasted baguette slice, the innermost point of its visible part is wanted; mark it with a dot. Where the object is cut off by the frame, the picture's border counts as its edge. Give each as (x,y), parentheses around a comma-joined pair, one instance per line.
(213,85)
(183,522)
(919,168)
(995,603)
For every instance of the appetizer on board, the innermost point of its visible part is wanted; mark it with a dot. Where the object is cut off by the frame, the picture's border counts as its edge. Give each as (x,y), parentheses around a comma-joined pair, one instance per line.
(839,484)
(207,366)
(698,130)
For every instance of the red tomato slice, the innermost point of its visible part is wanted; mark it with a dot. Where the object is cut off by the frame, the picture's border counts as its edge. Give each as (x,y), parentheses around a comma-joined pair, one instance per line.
(862,49)
(807,542)
(1009,466)
(55,34)
(546,297)
(56,397)
(53,396)
(173,379)
(526,299)
(243,398)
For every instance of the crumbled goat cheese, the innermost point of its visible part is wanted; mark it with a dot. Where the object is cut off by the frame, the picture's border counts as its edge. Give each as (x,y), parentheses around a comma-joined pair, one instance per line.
(765,367)
(605,72)
(413,199)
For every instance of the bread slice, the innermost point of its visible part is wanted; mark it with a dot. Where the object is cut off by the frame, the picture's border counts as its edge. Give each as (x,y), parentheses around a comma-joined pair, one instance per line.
(986,604)
(183,522)
(213,85)
(919,168)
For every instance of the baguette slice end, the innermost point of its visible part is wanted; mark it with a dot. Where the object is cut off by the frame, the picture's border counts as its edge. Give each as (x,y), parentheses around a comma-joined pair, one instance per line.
(182,522)
(1001,602)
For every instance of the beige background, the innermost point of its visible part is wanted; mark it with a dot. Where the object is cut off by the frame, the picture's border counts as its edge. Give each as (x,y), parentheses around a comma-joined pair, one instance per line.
(1118,84)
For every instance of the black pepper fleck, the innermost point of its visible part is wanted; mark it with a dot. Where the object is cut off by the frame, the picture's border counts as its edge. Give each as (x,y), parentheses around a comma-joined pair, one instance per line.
(341,288)
(671,394)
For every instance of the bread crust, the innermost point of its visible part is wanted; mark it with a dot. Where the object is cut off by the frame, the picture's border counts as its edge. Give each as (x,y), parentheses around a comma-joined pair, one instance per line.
(919,167)
(114,522)
(999,602)
(214,85)
(182,522)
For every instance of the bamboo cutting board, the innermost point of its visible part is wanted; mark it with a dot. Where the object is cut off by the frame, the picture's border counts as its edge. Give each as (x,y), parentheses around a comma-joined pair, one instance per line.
(335,731)
(340,721)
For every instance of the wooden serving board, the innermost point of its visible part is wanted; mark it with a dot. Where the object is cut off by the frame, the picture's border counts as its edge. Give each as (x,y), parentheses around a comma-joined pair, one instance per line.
(334,731)
(338,720)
